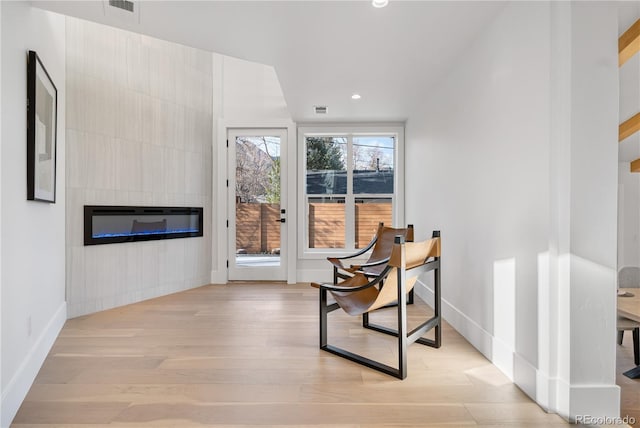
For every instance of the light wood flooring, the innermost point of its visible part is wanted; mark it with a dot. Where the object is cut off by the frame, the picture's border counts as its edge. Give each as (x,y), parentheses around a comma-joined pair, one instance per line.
(246,355)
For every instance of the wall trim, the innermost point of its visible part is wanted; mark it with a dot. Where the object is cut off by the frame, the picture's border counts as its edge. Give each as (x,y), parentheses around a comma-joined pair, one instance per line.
(594,400)
(315,275)
(525,375)
(546,392)
(19,385)
(570,400)
(218,277)
(110,302)
(479,338)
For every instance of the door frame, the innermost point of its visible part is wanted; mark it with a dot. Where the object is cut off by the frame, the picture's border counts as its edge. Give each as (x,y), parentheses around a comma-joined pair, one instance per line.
(255,273)
(220,246)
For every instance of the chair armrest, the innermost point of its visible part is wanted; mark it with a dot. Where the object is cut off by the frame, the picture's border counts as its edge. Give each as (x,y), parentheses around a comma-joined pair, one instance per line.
(348,288)
(356,254)
(337,264)
(376,263)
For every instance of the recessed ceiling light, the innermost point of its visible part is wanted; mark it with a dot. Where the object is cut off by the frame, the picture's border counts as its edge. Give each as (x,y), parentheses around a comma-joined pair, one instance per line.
(355,97)
(379,3)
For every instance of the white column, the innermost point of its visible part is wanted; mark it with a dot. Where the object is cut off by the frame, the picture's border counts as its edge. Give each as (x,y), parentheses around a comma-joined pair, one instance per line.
(577,350)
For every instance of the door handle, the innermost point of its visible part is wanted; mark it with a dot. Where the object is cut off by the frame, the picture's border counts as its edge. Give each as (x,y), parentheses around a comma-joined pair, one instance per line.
(282,220)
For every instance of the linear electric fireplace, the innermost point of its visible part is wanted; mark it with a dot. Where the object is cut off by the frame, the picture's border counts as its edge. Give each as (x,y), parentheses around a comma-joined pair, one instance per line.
(112,224)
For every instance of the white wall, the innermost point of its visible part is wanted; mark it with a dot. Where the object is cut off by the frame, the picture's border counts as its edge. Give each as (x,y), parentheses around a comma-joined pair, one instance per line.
(246,94)
(139,132)
(1,141)
(587,239)
(513,157)
(629,183)
(33,256)
(477,158)
(250,91)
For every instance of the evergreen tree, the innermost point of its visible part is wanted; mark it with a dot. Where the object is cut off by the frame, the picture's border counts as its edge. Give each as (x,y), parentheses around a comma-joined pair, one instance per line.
(324,154)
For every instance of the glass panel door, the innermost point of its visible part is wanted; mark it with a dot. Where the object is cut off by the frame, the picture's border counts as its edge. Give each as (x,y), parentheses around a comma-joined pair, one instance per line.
(257,217)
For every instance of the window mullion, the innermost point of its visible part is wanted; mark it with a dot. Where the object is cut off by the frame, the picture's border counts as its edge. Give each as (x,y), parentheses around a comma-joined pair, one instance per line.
(350,205)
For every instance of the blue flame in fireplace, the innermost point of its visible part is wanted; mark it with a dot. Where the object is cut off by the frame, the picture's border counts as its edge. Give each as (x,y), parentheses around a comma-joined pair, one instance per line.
(145,233)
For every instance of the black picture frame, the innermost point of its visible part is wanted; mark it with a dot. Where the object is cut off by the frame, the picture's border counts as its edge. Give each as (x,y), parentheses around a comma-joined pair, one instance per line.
(42,128)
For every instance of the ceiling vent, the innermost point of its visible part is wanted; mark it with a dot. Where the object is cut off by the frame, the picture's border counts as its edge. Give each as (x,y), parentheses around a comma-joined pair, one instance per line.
(122,4)
(320,109)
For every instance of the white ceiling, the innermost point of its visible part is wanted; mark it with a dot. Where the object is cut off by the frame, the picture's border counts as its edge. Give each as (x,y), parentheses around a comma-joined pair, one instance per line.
(322,51)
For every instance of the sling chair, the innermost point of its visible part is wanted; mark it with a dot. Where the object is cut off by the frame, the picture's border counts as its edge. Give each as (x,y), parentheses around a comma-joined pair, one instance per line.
(382,242)
(358,295)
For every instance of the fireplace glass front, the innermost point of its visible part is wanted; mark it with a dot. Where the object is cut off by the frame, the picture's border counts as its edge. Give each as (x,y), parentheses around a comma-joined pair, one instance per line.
(113,224)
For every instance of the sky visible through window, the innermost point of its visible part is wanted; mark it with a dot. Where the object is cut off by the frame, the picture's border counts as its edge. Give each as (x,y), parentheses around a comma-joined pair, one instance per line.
(269,145)
(373,153)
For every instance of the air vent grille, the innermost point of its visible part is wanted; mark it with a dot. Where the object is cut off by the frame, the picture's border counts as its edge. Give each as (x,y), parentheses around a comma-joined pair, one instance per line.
(122,4)
(320,109)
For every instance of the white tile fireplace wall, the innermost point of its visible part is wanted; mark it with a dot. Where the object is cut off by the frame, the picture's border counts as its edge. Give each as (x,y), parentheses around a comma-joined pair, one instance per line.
(139,132)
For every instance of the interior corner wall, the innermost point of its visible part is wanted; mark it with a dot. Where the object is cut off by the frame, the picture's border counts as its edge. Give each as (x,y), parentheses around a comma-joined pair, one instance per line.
(33,257)
(139,132)
(477,168)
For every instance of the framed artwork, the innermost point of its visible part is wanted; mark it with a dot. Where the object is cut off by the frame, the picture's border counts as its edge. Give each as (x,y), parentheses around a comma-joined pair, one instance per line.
(42,116)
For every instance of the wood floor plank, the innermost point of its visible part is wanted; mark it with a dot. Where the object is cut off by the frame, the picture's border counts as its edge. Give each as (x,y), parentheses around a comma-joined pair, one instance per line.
(286,414)
(69,412)
(515,413)
(247,355)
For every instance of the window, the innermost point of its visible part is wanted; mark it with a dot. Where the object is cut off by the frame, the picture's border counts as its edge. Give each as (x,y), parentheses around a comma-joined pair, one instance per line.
(350,185)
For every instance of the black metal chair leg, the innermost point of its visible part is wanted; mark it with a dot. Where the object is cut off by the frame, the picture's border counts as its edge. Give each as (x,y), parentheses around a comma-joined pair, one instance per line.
(636,346)
(324,310)
(402,324)
(365,320)
(436,306)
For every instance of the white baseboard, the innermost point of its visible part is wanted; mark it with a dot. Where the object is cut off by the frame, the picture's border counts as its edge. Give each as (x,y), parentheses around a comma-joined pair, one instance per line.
(481,339)
(547,390)
(496,351)
(525,375)
(219,276)
(19,384)
(306,275)
(553,395)
(502,356)
(601,401)
(315,275)
(134,296)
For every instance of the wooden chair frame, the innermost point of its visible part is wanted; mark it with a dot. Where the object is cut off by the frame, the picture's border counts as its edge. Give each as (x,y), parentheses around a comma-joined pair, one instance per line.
(405,338)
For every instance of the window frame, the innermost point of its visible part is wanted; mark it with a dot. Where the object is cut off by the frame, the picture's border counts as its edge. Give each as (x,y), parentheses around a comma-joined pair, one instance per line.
(349,131)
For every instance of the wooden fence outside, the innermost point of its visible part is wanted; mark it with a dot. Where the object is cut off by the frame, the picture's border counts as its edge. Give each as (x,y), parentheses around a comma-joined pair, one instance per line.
(258,229)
